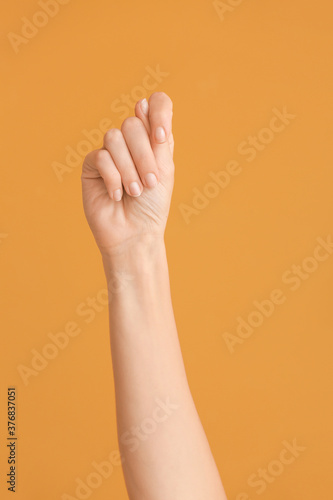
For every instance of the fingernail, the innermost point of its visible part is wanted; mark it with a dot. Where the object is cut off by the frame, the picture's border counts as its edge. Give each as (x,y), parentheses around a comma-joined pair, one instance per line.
(134,189)
(144,106)
(151,180)
(117,194)
(160,134)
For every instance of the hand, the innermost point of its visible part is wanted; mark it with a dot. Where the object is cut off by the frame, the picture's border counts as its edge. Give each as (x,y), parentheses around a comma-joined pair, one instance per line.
(122,201)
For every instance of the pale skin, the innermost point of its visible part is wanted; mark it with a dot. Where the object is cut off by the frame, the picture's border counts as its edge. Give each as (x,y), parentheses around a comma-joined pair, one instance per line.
(165,452)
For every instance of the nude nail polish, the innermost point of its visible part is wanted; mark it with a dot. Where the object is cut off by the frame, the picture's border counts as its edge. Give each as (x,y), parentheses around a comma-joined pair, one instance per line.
(151,180)
(144,106)
(160,134)
(134,189)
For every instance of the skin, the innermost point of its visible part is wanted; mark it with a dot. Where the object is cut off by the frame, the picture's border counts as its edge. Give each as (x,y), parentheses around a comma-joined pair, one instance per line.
(165,451)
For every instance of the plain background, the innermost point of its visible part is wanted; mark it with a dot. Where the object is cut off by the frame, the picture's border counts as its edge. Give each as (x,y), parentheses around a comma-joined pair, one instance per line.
(225,76)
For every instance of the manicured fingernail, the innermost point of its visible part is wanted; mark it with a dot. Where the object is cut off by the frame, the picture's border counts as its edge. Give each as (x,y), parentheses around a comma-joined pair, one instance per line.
(134,189)
(151,180)
(144,106)
(160,134)
(117,194)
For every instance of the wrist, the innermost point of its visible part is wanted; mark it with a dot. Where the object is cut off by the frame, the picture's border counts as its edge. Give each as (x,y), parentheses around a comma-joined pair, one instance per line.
(135,255)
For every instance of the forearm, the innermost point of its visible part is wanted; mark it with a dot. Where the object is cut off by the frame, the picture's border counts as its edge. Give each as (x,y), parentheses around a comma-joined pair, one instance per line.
(165,450)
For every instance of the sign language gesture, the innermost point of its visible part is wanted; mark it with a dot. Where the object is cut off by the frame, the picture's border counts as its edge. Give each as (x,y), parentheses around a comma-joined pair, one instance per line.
(127,184)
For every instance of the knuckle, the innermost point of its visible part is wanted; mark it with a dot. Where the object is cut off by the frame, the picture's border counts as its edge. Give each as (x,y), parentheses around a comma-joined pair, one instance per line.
(89,159)
(159,95)
(130,123)
(100,157)
(112,135)
(162,96)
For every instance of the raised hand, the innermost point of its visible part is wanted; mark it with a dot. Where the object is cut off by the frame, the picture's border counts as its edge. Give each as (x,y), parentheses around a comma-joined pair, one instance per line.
(127,184)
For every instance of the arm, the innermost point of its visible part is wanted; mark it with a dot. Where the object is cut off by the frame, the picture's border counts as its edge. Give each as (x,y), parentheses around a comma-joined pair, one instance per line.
(165,452)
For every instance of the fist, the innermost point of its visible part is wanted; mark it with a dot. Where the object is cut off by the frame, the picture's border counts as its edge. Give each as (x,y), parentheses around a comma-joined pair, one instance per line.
(127,184)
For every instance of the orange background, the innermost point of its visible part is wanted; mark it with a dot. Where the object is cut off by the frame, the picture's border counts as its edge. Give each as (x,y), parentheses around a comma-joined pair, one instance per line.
(225,76)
